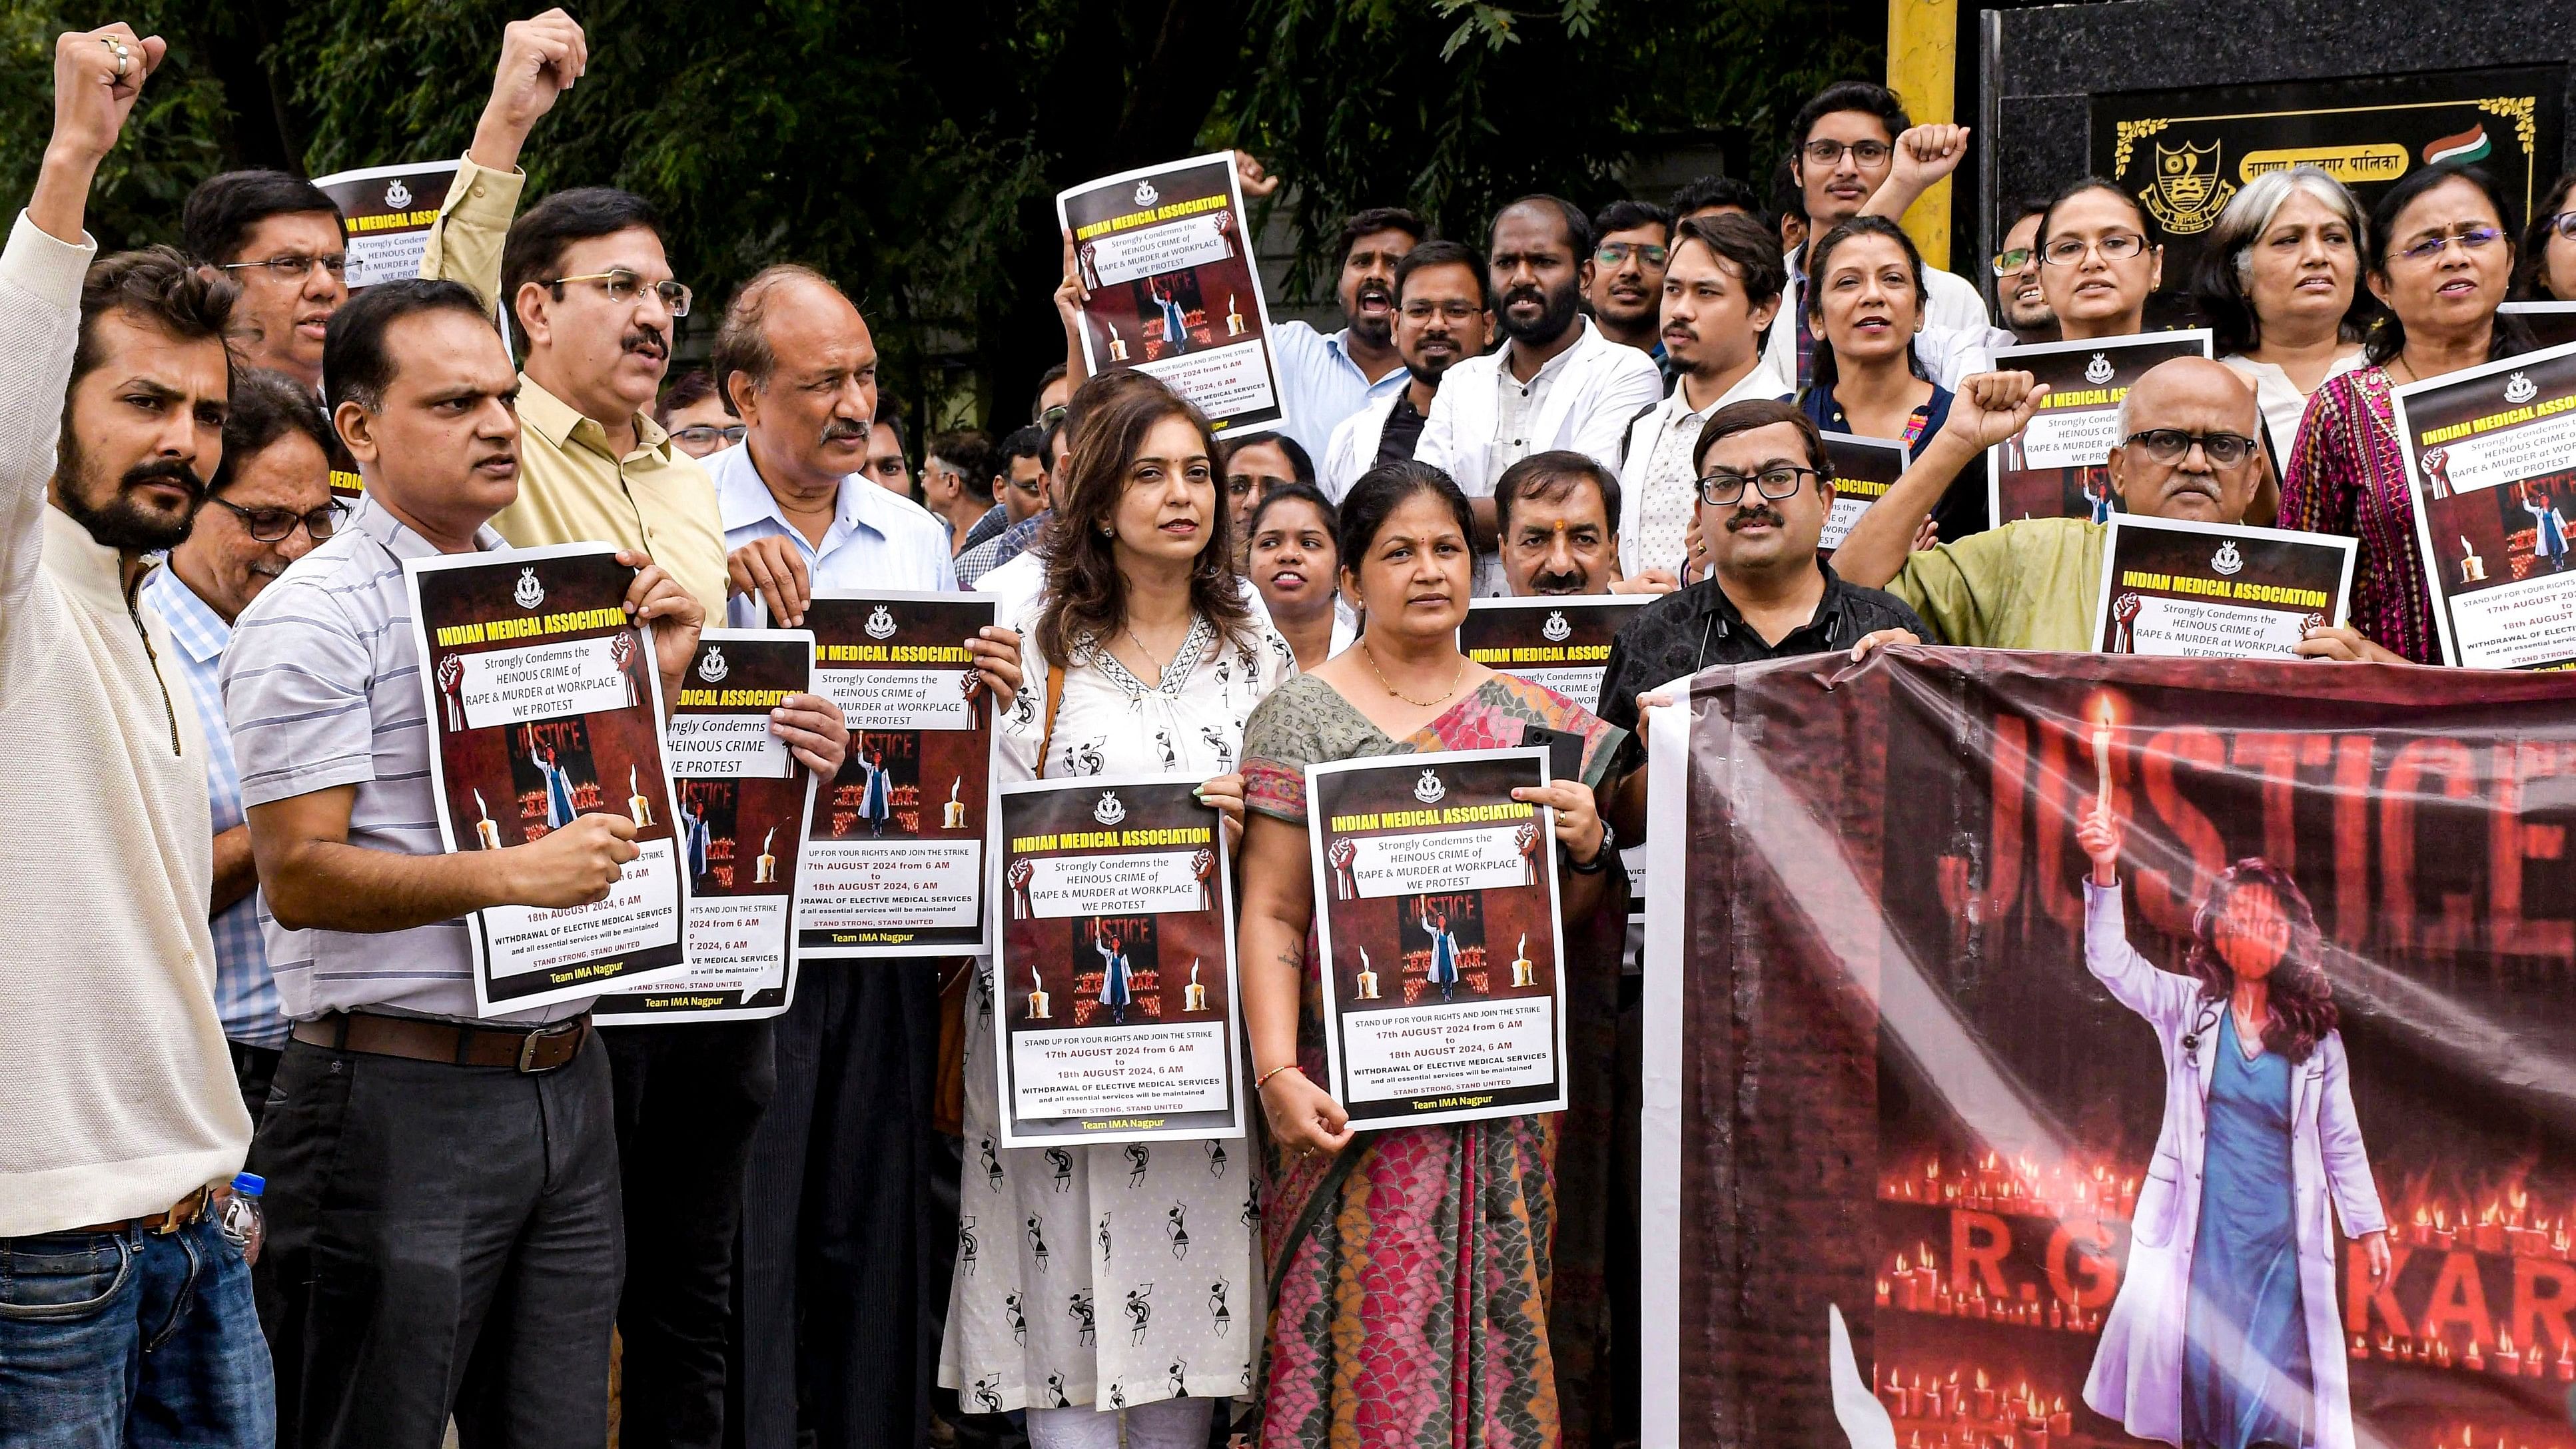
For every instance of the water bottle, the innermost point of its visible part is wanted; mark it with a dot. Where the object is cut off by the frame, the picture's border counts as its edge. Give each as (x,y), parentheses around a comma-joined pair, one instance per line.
(243,1226)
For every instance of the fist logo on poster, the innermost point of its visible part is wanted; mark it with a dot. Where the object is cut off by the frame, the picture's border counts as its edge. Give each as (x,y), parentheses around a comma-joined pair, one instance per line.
(1341,856)
(2124,617)
(1146,195)
(970,684)
(2227,562)
(713,668)
(1203,871)
(1109,811)
(1429,790)
(2098,371)
(2519,389)
(1525,840)
(1019,876)
(397,195)
(880,624)
(529,593)
(451,679)
(1556,628)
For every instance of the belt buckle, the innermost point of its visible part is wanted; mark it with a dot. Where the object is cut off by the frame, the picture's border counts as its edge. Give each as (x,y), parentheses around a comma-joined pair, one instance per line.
(528,1051)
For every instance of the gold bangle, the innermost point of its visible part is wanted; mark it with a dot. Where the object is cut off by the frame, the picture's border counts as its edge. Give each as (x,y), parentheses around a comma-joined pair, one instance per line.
(1264,1079)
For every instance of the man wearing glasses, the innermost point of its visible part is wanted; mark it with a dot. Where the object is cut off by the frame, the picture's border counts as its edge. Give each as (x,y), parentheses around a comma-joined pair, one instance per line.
(268,505)
(2018,299)
(591,298)
(278,238)
(1632,239)
(1444,314)
(1844,159)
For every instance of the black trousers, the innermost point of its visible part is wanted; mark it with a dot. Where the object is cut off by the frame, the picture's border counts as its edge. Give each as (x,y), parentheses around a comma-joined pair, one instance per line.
(843,1276)
(688,1097)
(441,1239)
(253,1069)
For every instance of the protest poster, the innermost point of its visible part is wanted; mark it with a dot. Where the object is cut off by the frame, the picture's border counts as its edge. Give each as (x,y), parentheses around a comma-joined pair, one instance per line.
(2552,324)
(2216,591)
(2060,465)
(544,705)
(1560,642)
(1115,975)
(1925,1110)
(1436,911)
(743,800)
(894,865)
(1864,469)
(1164,253)
(385,216)
(2491,452)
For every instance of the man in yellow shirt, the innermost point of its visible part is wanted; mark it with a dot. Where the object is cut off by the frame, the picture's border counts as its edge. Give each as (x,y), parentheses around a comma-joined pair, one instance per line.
(591,299)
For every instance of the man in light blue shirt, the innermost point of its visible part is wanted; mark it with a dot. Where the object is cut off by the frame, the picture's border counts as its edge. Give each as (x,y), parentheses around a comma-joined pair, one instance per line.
(1326,377)
(268,506)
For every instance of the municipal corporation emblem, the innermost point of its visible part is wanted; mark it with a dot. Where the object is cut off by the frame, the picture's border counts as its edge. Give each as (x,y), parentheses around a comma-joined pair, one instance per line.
(1108,811)
(1429,790)
(1555,629)
(880,624)
(2188,193)
(397,195)
(713,668)
(2098,371)
(2227,561)
(2519,389)
(529,593)
(1146,195)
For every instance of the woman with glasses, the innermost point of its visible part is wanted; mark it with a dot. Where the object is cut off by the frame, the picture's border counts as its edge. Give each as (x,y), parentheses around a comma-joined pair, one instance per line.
(2097,267)
(2279,284)
(2548,271)
(2439,260)
(1409,1267)
(695,417)
(1864,295)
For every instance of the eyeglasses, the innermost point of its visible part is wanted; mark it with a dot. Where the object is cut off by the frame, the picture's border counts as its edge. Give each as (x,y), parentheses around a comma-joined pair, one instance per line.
(2470,238)
(2564,223)
(1725,488)
(2010,263)
(624,286)
(293,268)
(2119,246)
(1863,153)
(2170,445)
(1052,416)
(704,433)
(1450,311)
(272,525)
(1612,254)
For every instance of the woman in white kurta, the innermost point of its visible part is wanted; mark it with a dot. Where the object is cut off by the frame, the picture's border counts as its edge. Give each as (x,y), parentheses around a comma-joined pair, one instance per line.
(2225,1330)
(1119,1281)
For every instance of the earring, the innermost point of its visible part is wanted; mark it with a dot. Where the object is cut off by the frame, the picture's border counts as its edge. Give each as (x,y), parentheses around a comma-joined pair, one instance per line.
(1108,532)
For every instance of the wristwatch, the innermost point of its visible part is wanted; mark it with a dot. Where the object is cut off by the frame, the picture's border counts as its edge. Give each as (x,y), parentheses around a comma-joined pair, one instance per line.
(1600,858)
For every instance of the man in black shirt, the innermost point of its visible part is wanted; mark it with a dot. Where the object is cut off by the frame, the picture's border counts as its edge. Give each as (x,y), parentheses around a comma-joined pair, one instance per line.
(1765,489)
(1444,315)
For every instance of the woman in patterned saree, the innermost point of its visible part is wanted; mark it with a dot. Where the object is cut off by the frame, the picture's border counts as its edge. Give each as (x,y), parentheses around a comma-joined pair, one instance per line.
(1410,1268)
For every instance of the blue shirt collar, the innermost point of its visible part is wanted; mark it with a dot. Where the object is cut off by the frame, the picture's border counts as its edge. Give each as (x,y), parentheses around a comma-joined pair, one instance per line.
(193,623)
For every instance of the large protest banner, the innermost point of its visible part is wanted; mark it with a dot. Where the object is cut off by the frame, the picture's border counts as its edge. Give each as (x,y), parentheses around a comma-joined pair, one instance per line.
(1882,1083)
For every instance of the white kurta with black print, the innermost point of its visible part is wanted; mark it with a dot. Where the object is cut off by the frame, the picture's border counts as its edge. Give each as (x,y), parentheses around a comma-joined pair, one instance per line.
(1111,1275)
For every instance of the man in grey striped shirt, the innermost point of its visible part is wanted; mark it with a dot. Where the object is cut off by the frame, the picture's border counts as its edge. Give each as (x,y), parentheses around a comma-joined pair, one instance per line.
(464,1173)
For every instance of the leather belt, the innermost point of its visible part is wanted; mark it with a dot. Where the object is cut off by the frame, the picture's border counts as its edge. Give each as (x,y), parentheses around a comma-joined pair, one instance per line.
(539,1049)
(185,1211)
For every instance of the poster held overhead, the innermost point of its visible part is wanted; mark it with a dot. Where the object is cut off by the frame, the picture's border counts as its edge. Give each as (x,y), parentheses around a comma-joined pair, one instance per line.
(1165,254)
(742,803)
(1436,910)
(543,706)
(385,216)
(2059,466)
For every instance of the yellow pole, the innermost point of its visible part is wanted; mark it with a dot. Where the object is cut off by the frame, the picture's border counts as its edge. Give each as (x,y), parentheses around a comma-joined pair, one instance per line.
(1923,69)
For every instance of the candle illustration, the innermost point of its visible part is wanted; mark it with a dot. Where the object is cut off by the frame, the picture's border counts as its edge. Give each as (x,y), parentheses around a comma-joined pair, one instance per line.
(2473,569)
(636,804)
(954,817)
(764,871)
(1233,318)
(2102,758)
(1194,996)
(485,831)
(1038,1008)
(1117,344)
(1368,977)
(1522,973)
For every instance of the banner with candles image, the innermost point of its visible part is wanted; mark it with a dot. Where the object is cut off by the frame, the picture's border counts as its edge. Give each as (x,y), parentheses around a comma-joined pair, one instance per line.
(1947,1148)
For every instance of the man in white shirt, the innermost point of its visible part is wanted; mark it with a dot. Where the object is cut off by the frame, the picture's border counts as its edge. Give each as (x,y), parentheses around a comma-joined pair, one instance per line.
(1326,377)
(1444,316)
(1557,382)
(1845,158)
(1721,289)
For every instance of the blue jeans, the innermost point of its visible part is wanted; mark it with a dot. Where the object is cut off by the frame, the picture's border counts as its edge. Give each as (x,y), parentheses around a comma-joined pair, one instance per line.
(131,1338)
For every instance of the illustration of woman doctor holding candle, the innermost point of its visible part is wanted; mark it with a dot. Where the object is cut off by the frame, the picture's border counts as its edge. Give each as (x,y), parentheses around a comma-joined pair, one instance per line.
(2225,1331)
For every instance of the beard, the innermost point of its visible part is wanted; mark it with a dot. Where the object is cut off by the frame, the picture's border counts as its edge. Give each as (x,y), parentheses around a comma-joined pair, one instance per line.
(119,521)
(1375,329)
(1560,308)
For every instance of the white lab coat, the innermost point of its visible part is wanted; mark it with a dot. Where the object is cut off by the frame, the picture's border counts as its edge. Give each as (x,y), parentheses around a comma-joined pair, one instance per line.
(2137,1369)
(1353,450)
(1602,386)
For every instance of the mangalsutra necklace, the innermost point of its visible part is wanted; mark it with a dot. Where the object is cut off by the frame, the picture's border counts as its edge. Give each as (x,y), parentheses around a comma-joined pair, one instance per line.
(1440,698)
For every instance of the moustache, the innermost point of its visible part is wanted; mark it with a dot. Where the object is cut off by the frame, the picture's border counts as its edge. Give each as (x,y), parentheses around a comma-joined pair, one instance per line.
(1535,296)
(840,430)
(1379,290)
(1760,513)
(164,470)
(646,340)
(1570,581)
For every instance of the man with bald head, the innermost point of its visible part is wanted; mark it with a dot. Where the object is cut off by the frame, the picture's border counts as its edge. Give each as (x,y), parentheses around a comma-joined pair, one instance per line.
(2032,583)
